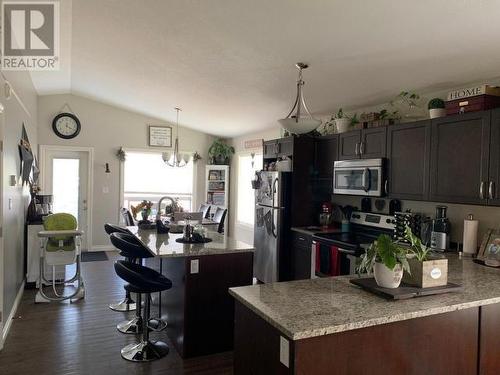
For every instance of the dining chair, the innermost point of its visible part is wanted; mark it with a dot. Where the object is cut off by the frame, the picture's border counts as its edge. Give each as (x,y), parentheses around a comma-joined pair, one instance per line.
(219,218)
(205,208)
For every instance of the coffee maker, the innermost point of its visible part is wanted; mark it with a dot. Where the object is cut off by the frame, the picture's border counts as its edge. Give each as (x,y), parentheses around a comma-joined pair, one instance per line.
(440,232)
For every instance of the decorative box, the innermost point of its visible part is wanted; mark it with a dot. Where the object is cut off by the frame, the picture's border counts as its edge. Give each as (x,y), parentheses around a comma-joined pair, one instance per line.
(426,274)
(472,104)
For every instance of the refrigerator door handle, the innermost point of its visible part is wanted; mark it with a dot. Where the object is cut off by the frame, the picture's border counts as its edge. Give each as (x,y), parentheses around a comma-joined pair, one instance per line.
(274,191)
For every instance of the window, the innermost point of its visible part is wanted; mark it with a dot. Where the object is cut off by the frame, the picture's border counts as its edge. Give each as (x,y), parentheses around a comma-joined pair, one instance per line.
(246,200)
(147,177)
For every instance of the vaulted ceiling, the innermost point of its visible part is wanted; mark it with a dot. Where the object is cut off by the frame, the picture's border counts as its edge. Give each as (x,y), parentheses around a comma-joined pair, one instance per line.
(230,63)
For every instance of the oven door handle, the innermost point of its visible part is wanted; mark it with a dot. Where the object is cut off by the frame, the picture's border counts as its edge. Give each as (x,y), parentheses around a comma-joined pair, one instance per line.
(366,179)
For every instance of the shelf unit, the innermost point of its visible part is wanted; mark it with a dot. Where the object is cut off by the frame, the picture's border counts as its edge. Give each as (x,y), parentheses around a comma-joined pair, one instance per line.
(217,188)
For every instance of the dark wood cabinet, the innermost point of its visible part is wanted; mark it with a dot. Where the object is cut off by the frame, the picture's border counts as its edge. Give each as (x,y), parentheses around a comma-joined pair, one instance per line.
(301,256)
(278,148)
(493,189)
(460,158)
(363,144)
(373,143)
(325,154)
(349,145)
(408,160)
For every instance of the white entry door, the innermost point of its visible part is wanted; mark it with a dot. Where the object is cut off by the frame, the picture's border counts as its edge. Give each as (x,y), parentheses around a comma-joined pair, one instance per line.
(66,174)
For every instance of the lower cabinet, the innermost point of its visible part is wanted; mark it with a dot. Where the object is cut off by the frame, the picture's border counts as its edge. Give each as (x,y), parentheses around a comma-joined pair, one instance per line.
(301,256)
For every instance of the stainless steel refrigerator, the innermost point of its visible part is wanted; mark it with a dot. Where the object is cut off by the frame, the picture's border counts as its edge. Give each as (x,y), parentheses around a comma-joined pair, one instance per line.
(272,226)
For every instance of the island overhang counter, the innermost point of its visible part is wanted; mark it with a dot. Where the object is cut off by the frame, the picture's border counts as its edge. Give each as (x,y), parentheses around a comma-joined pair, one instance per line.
(198,309)
(328,325)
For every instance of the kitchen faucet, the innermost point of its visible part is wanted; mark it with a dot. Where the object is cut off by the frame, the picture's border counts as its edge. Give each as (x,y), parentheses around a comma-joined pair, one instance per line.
(158,212)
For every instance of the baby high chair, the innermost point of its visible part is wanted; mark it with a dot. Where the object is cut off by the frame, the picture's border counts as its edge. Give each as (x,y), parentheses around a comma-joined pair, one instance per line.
(60,243)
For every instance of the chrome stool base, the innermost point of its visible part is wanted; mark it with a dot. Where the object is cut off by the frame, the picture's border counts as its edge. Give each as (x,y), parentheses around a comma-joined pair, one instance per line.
(145,351)
(127,304)
(157,325)
(133,326)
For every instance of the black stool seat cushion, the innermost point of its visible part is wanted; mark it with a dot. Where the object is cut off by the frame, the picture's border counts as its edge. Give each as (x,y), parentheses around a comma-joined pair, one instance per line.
(129,245)
(141,279)
(112,228)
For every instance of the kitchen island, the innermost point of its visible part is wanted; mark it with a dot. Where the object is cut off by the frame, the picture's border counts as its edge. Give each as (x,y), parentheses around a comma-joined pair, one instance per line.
(198,308)
(328,325)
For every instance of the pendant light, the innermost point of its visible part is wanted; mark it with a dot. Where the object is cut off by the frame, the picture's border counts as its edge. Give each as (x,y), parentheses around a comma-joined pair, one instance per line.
(302,121)
(175,158)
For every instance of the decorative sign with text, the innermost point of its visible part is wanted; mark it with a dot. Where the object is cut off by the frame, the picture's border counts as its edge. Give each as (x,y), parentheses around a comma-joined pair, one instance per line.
(253,143)
(160,136)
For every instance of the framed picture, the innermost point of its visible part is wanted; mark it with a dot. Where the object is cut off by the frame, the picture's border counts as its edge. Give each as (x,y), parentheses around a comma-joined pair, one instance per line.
(490,247)
(160,136)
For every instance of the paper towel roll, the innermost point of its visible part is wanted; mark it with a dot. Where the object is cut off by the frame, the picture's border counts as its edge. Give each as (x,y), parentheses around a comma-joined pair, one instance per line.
(470,235)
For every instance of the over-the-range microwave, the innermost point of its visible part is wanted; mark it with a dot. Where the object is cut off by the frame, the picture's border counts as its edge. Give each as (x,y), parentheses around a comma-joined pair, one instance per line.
(359,177)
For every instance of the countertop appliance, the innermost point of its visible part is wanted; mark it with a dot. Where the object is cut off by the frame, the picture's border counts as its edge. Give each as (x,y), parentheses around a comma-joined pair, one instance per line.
(359,177)
(349,246)
(272,224)
(440,234)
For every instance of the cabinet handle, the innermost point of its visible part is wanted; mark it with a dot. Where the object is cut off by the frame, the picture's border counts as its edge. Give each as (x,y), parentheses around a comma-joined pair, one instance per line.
(356,150)
(362,148)
(491,190)
(481,190)
(279,148)
(386,187)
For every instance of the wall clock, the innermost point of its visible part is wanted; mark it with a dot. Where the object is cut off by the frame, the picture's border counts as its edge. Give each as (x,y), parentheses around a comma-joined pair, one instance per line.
(66,125)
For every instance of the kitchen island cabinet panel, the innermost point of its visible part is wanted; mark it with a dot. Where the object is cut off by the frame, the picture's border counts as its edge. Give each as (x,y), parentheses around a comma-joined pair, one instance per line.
(459,159)
(489,345)
(408,160)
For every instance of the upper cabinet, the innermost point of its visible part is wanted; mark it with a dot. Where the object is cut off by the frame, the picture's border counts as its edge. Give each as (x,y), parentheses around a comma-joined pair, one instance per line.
(493,190)
(278,148)
(325,154)
(460,153)
(363,144)
(408,160)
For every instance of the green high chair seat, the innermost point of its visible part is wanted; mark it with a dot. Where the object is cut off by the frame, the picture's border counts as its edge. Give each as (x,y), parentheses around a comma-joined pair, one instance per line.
(60,222)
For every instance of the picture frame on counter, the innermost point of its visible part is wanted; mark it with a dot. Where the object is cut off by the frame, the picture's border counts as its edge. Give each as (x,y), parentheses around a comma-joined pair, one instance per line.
(490,246)
(160,135)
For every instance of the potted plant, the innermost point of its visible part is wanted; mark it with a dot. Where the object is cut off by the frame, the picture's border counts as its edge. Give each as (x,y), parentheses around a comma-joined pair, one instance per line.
(387,259)
(436,108)
(342,122)
(220,153)
(426,270)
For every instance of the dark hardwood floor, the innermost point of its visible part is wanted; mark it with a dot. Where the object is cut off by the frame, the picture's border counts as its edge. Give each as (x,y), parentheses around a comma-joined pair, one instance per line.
(81,338)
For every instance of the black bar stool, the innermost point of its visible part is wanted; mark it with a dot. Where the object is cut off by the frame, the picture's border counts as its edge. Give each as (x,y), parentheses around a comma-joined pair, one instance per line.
(127,304)
(132,250)
(143,280)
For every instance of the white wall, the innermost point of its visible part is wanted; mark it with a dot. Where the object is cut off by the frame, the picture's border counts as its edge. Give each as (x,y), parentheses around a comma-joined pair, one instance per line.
(107,128)
(14,217)
(243,232)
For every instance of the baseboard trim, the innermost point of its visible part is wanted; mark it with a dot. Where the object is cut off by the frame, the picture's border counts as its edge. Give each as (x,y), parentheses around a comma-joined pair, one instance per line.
(8,322)
(102,248)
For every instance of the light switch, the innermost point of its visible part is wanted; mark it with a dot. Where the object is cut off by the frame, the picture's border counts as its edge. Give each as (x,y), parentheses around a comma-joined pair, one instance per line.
(105,190)
(195,266)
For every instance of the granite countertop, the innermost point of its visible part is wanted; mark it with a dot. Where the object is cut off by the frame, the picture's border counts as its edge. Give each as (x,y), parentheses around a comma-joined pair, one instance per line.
(312,230)
(315,307)
(164,245)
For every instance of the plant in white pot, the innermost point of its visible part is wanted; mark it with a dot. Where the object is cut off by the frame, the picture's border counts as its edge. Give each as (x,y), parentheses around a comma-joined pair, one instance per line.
(387,260)
(436,108)
(342,121)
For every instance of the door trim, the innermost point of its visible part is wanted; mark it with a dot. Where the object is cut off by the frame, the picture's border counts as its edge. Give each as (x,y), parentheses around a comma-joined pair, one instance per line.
(42,153)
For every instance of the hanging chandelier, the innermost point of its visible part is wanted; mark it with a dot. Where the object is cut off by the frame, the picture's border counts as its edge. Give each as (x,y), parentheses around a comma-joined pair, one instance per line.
(175,158)
(302,121)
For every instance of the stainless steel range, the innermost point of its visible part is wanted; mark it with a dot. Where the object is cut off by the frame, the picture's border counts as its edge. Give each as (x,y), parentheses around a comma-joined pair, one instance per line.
(349,246)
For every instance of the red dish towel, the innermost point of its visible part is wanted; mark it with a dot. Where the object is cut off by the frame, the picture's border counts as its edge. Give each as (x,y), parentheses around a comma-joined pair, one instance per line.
(334,261)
